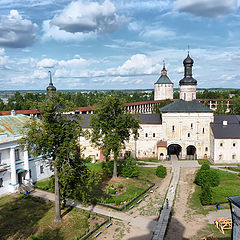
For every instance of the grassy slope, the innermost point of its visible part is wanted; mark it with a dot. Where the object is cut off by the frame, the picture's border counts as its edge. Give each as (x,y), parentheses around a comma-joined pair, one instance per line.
(23,218)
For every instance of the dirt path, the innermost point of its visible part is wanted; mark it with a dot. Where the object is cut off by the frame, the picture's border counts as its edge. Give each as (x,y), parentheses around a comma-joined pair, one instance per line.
(149,209)
(185,223)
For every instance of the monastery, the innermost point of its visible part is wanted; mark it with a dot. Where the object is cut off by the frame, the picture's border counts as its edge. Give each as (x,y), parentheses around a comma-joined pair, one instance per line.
(185,128)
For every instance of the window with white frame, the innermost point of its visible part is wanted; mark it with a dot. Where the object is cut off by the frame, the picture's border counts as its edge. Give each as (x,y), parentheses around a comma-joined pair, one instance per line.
(41,169)
(1,182)
(0,158)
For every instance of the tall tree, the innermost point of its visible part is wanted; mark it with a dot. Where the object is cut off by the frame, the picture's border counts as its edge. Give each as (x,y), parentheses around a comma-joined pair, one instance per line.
(111,126)
(55,137)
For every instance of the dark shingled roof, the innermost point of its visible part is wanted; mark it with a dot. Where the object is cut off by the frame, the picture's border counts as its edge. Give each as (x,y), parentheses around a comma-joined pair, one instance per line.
(84,119)
(164,80)
(185,106)
(235,200)
(231,130)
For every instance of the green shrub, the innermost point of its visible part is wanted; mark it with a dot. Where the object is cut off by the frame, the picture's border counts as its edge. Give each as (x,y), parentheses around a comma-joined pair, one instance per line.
(205,166)
(120,185)
(213,177)
(206,195)
(161,171)
(117,202)
(130,168)
(88,159)
(107,168)
(204,177)
(111,190)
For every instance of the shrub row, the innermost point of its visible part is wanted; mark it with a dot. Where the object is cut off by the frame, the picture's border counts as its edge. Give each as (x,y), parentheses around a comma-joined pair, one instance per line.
(206,178)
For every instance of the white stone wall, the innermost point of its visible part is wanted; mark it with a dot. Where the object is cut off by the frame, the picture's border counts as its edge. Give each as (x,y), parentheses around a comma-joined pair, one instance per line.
(144,147)
(226,151)
(188,129)
(163,91)
(8,162)
(188,92)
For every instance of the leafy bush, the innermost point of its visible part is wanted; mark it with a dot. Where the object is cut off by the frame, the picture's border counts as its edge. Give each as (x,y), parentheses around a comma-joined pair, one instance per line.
(88,159)
(205,166)
(107,168)
(120,185)
(112,190)
(161,171)
(204,177)
(130,168)
(206,195)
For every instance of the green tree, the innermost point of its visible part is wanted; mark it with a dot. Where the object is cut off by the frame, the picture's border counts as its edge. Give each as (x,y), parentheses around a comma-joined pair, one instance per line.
(157,106)
(111,126)
(55,137)
(221,108)
(235,109)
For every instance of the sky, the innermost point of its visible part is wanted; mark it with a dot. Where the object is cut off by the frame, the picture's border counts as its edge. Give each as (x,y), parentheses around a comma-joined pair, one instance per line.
(117,44)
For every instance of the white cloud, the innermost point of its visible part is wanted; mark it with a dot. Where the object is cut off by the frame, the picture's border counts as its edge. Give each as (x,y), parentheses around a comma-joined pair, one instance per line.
(2,51)
(136,65)
(206,8)
(157,33)
(47,63)
(83,19)
(16,32)
(40,74)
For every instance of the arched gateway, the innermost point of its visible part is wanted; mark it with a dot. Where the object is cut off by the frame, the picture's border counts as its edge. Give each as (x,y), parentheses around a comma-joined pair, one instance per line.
(174,149)
(191,152)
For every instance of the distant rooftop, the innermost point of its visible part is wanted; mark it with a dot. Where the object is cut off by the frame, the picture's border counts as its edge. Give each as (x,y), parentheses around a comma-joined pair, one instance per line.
(185,106)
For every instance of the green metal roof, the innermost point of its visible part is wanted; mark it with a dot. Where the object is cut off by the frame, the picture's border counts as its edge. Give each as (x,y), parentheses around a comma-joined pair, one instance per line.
(185,106)
(13,125)
(163,80)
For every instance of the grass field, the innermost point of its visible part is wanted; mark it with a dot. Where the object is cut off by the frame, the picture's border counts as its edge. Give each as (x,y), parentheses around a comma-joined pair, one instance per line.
(229,186)
(33,219)
(204,161)
(149,160)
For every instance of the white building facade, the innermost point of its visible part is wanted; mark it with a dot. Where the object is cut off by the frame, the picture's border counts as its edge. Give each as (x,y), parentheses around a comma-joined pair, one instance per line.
(16,166)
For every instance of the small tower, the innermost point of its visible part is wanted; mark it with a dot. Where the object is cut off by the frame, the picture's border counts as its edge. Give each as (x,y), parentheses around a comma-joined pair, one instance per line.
(51,89)
(163,88)
(188,84)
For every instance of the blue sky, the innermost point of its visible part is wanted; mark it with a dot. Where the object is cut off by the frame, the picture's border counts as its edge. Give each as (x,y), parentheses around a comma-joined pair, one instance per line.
(117,44)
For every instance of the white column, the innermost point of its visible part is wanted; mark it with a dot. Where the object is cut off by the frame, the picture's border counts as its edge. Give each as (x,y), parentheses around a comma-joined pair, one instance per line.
(26,164)
(13,166)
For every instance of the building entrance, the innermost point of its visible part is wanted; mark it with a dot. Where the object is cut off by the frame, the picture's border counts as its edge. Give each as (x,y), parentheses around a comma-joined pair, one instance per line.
(191,152)
(174,149)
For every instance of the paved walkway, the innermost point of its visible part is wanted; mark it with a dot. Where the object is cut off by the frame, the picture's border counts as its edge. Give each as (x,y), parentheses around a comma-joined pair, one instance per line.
(212,215)
(160,229)
(141,222)
(224,169)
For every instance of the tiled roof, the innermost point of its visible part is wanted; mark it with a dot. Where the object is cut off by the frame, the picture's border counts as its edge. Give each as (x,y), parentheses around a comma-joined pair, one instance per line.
(185,106)
(25,112)
(13,125)
(84,119)
(163,80)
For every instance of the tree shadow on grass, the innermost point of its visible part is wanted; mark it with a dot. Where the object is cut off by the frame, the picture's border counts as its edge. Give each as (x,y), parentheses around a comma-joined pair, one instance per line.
(54,234)
(19,216)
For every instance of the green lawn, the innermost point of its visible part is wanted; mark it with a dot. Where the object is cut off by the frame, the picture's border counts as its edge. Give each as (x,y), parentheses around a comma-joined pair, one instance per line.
(204,161)
(229,186)
(44,184)
(149,160)
(33,219)
(235,169)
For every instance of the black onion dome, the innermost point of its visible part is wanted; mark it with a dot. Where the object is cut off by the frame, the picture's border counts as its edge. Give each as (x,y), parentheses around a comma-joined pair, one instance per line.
(188,60)
(188,79)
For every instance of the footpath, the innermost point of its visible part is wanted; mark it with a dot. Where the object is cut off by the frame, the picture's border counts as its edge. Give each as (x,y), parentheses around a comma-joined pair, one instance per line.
(141,222)
(161,226)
